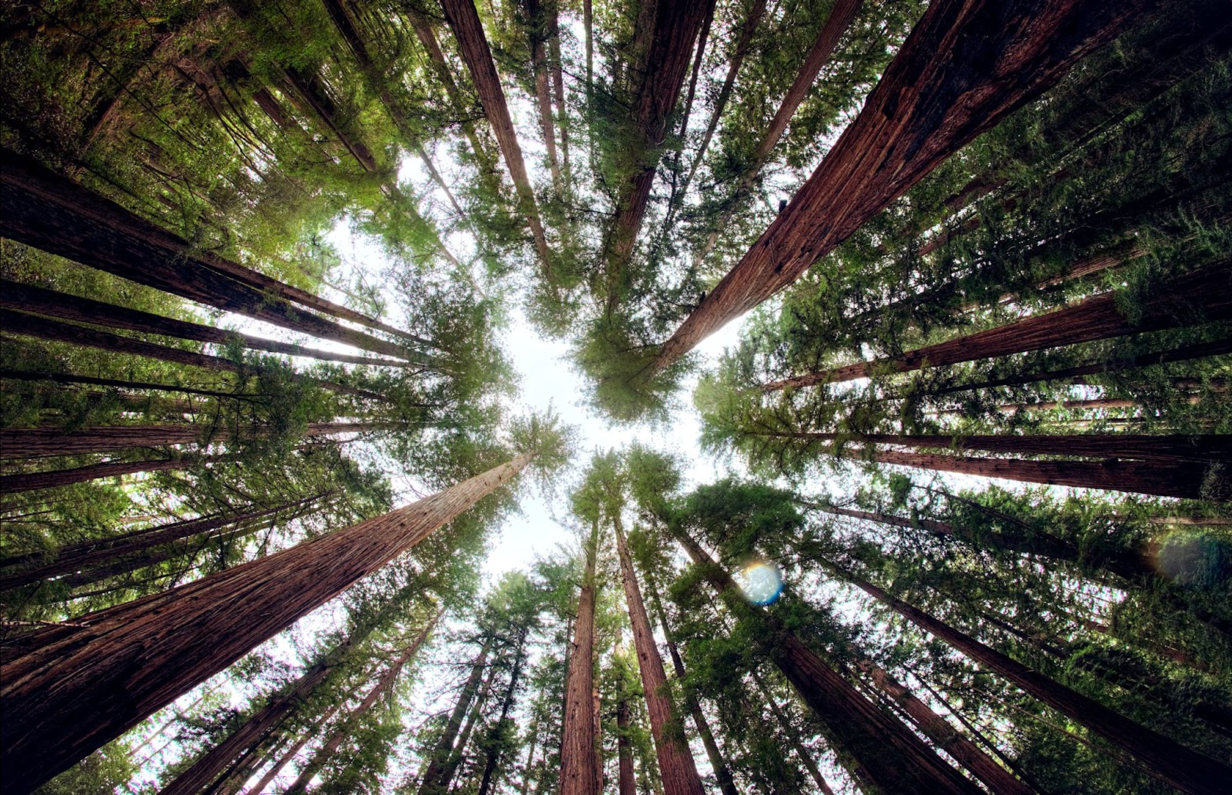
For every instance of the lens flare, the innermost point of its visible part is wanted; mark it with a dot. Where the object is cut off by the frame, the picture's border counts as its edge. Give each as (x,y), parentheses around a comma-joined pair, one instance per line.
(760,582)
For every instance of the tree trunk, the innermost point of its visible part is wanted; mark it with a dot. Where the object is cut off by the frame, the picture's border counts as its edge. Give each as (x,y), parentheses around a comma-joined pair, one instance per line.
(54,214)
(676,766)
(27,298)
(432,782)
(30,481)
(70,690)
(626,778)
(802,753)
(459,752)
(1205,295)
(893,758)
(945,736)
(463,19)
(577,754)
(539,31)
(965,66)
(1169,761)
(842,13)
(558,87)
(343,731)
(493,757)
(67,378)
(676,25)
(44,442)
(305,736)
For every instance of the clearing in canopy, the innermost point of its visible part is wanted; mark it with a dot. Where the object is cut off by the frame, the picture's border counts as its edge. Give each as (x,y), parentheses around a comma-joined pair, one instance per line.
(638,397)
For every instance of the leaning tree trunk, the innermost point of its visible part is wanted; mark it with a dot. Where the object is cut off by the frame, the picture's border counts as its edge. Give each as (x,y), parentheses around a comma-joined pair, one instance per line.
(50,303)
(1205,295)
(676,766)
(539,30)
(965,66)
(802,753)
(343,731)
(488,779)
(459,751)
(45,442)
(842,13)
(31,481)
(577,753)
(463,19)
(70,690)
(893,758)
(432,781)
(67,378)
(305,736)
(1167,760)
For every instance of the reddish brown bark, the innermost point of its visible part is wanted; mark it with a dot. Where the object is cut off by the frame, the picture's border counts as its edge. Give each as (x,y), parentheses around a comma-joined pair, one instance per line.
(626,779)
(539,32)
(432,781)
(888,753)
(68,378)
(305,736)
(676,766)
(384,683)
(1205,295)
(463,19)
(577,753)
(558,86)
(965,66)
(842,13)
(39,442)
(676,25)
(73,689)
(29,481)
(54,214)
(1169,761)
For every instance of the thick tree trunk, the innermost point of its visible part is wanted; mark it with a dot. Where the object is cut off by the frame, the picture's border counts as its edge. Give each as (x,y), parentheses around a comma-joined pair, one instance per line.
(54,214)
(577,754)
(70,690)
(30,481)
(676,767)
(383,684)
(889,754)
(40,301)
(1169,761)
(432,781)
(842,13)
(42,442)
(463,19)
(1205,295)
(945,736)
(965,66)
(676,25)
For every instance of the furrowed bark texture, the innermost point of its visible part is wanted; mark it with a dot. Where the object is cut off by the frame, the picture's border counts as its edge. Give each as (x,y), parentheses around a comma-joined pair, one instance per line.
(676,25)
(577,753)
(842,13)
(340,734)
(893,758)
(432,782)
(945,736)
(1169,761)
(676,766)
(41,301)
(49,212)
(71,690)
(1202,296)
(30,481)
(463,19)
(40,442)
(965,66)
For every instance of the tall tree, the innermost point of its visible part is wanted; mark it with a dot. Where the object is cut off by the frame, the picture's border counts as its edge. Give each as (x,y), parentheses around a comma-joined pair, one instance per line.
(577,757)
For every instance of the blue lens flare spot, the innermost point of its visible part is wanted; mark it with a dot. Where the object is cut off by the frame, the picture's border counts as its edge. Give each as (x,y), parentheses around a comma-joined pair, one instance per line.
(761,582)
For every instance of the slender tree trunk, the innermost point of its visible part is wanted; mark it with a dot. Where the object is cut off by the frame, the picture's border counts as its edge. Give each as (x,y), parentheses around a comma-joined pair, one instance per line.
(343,731)
(676,766)
(945,736)
(1169,761)
(558,87)
(1205,295)
(459,752)
(939,93)
(539,32)
(524,787)
(577,756)
(71,690)
(30,481)
(50,303)
(44,442)
(54,214)
(889,754)
(432,781)
(802,753)
(842,13)
(463,19)
(305,736)
(626,778)
(67,378)
(488,779)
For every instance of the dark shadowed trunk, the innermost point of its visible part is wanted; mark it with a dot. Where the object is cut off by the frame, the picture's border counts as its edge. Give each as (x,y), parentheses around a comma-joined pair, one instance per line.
(131,660)
(432,780)
(29,481)
(1168,761)
(492,762)
(802,753)
(577,754)
(965,66)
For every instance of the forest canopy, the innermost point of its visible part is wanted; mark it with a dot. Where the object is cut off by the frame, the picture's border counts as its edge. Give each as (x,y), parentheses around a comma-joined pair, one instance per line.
(634,396)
